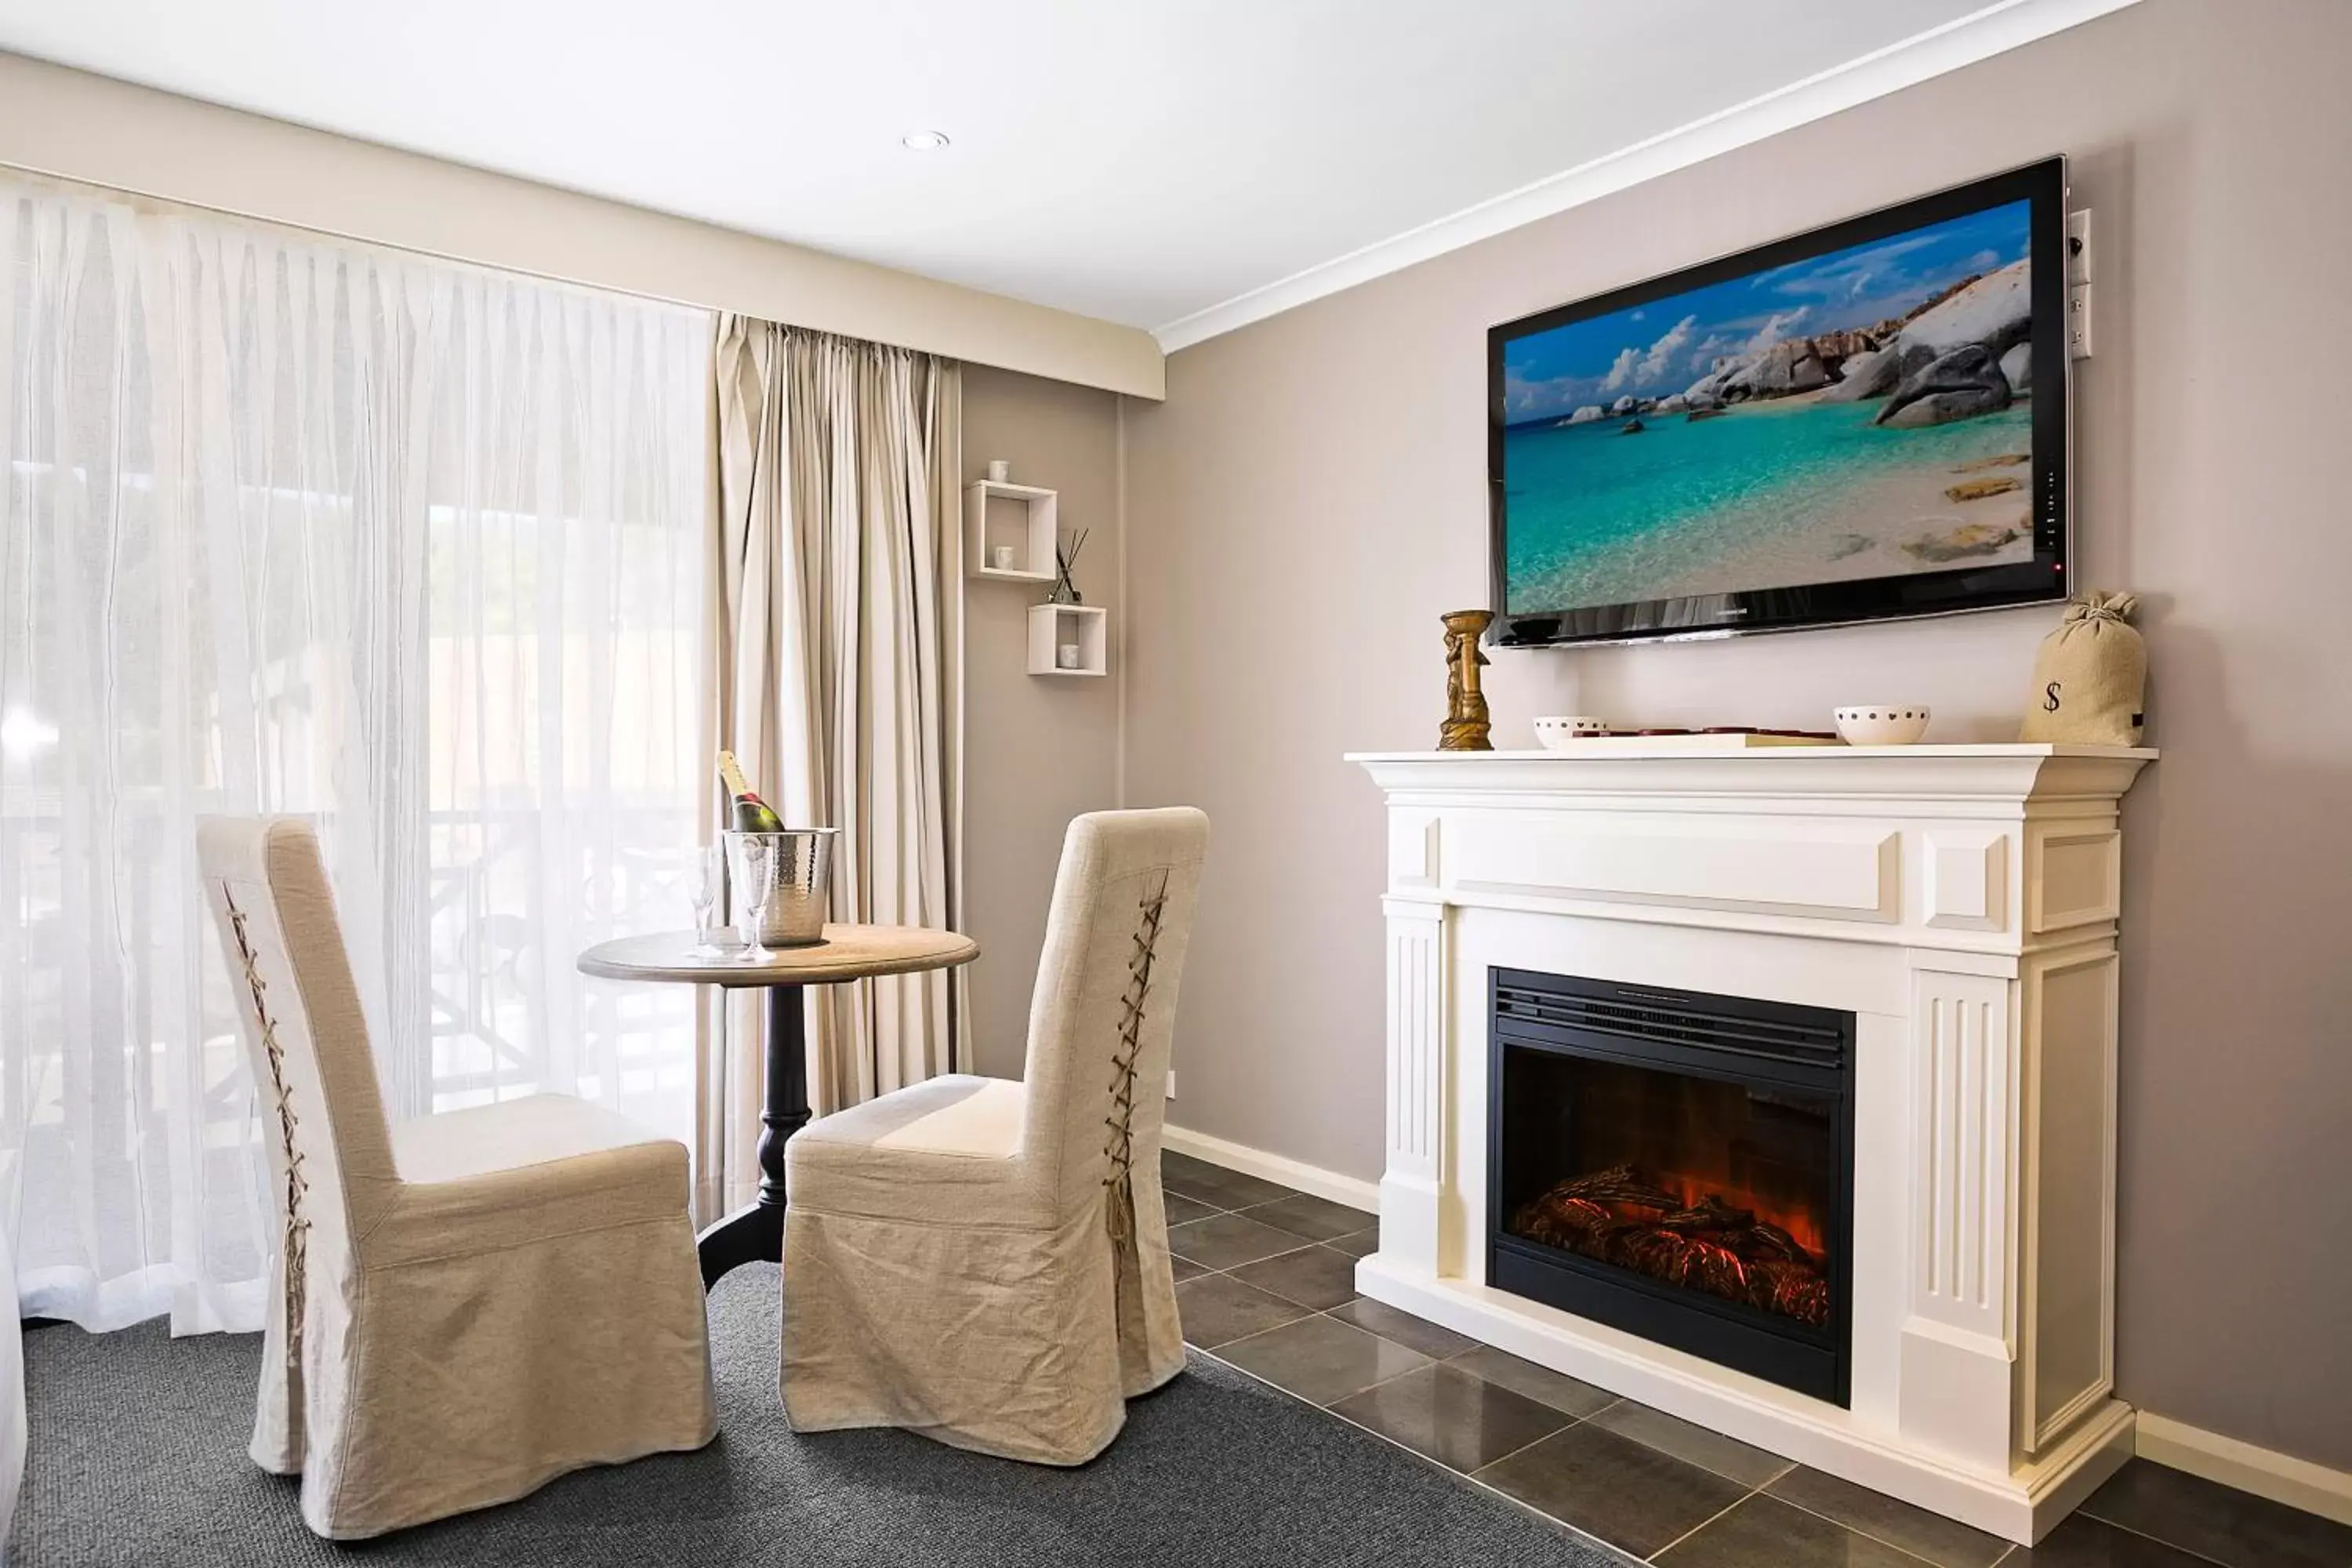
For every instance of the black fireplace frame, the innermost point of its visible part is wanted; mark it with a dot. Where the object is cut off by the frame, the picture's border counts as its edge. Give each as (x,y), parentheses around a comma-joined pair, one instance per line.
(1741,1040)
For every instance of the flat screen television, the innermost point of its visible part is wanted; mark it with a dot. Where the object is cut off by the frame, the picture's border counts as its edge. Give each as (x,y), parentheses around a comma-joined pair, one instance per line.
(1863,422)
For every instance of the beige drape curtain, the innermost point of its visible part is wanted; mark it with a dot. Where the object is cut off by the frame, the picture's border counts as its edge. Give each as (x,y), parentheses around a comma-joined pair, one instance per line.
(839,677)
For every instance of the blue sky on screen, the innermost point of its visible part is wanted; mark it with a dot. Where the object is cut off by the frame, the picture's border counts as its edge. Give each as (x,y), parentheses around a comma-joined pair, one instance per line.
(1663,346)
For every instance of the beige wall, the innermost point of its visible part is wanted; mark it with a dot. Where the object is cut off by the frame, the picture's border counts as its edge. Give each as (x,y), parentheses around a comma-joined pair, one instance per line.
(1310,498)
(1038,750)
(82,127)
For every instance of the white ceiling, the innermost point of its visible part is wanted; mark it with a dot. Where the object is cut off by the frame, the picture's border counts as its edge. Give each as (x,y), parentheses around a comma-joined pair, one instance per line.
(1142,160)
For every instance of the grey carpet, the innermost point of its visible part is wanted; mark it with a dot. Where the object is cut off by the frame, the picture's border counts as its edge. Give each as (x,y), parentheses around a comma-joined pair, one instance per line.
(138,1457)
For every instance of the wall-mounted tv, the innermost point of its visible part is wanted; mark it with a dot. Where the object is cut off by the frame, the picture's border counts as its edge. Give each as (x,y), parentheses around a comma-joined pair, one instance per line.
(1862,422)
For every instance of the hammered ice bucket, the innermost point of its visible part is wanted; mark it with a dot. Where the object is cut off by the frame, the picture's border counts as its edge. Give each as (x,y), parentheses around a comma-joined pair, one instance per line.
(796,910)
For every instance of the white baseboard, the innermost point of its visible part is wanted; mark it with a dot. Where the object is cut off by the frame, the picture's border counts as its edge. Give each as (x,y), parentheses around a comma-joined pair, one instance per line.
(2281,1477)
(1353,1191)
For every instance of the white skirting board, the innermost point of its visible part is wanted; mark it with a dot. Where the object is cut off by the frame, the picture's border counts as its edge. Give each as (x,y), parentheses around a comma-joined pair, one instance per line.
(2281,1477)
(1353,1191)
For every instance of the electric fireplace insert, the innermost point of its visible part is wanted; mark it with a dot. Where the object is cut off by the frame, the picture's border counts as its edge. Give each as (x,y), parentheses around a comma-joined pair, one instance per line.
(1678,1166)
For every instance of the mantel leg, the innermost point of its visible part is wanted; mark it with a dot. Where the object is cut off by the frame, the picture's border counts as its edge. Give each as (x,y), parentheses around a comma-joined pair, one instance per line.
(755,1232)
(1412,1227)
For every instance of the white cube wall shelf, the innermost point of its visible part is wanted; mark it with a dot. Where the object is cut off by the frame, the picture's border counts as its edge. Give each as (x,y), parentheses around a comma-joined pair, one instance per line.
(1051,625)
(1022,516)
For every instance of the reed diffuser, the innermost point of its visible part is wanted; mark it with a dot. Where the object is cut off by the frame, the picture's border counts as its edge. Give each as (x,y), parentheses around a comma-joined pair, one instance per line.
(1065,591)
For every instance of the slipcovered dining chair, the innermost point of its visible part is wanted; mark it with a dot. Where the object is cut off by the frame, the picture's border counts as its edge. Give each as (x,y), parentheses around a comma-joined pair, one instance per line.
(465,1306)
(986,1262)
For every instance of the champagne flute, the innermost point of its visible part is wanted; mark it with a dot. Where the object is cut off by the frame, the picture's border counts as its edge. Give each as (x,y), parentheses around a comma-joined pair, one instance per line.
(755,869)
(705,885)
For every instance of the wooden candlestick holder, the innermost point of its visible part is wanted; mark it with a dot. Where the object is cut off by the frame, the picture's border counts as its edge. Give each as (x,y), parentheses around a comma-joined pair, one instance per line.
(1466,723)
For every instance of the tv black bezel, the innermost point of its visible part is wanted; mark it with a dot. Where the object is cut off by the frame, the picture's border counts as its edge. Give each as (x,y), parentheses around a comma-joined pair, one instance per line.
(1806,606)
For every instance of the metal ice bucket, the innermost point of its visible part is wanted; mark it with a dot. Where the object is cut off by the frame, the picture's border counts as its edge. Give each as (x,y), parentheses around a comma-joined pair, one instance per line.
(803,892)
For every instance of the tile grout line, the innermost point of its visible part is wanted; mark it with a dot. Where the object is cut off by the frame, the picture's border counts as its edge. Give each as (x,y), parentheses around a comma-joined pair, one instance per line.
(2144,1535)
(2008,1546)
(1573,1422)
(1702,1524)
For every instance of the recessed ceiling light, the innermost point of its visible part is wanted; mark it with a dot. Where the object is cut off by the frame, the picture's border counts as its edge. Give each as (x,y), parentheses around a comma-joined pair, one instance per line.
(925,140)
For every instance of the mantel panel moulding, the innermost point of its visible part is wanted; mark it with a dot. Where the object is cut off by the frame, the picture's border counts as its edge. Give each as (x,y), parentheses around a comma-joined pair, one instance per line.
(1833,871)
(1968,878)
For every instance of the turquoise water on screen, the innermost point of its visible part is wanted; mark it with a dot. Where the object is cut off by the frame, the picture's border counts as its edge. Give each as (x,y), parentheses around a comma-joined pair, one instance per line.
(1600,518)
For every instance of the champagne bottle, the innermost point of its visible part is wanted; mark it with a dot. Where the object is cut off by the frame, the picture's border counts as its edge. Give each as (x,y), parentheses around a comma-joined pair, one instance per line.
(751,813)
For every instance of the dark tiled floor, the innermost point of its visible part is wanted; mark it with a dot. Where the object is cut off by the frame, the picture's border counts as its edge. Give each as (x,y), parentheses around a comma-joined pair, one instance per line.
(1455,1417)
(1181,1210)
(1321,1359)
(1414,1333)
(1265,1281)
(2213,1521)
(1313,1276)
(1560,1392)
(1761,1531)
(1927,1536)
(1219,1310)
(2082,1541)
(1226,1240)
(1637,1498)
(1726,1457)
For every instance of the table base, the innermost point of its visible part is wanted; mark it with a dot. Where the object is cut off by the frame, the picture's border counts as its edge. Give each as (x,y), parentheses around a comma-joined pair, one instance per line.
(752,1233)
(755,1232)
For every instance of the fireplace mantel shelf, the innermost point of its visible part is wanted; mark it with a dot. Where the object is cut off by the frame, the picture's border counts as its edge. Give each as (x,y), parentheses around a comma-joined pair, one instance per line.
(1772,753)
(1997,771)
(1962,903)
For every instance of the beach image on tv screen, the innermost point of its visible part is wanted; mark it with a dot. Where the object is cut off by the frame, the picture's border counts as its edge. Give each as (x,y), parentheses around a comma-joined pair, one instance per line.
(1863,412)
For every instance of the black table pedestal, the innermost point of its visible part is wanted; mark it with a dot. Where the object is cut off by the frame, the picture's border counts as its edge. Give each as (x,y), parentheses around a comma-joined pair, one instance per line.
(755,1232)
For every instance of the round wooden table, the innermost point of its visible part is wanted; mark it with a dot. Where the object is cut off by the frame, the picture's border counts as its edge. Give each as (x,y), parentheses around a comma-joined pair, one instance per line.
(756,1231)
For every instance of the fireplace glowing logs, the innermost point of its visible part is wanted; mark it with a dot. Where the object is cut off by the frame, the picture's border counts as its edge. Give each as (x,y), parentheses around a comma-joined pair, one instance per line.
(1615,1216)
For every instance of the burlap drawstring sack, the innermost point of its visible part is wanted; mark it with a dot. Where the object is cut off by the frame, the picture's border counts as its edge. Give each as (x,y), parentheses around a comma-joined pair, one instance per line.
(2090,679)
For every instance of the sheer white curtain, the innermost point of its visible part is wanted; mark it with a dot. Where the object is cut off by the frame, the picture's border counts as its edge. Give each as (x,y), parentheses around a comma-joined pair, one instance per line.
(12,1432)
(414,550)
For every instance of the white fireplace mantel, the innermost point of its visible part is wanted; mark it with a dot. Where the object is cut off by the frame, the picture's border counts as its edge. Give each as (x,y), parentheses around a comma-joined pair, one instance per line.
(1962,902)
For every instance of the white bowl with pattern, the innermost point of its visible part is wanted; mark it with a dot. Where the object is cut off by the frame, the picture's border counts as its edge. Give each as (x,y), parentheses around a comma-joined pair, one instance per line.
(1881,723)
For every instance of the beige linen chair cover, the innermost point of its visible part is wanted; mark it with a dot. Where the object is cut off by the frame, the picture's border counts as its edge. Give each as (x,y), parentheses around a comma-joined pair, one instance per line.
(464,1306)
(986,1262)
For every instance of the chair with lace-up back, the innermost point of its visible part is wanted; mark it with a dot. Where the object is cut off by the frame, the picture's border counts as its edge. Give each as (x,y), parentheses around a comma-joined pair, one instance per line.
(985,1261)
(464,1306)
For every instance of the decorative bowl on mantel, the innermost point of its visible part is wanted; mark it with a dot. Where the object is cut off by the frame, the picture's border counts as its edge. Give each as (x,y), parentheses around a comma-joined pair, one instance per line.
(1556,733)
(1881,723)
